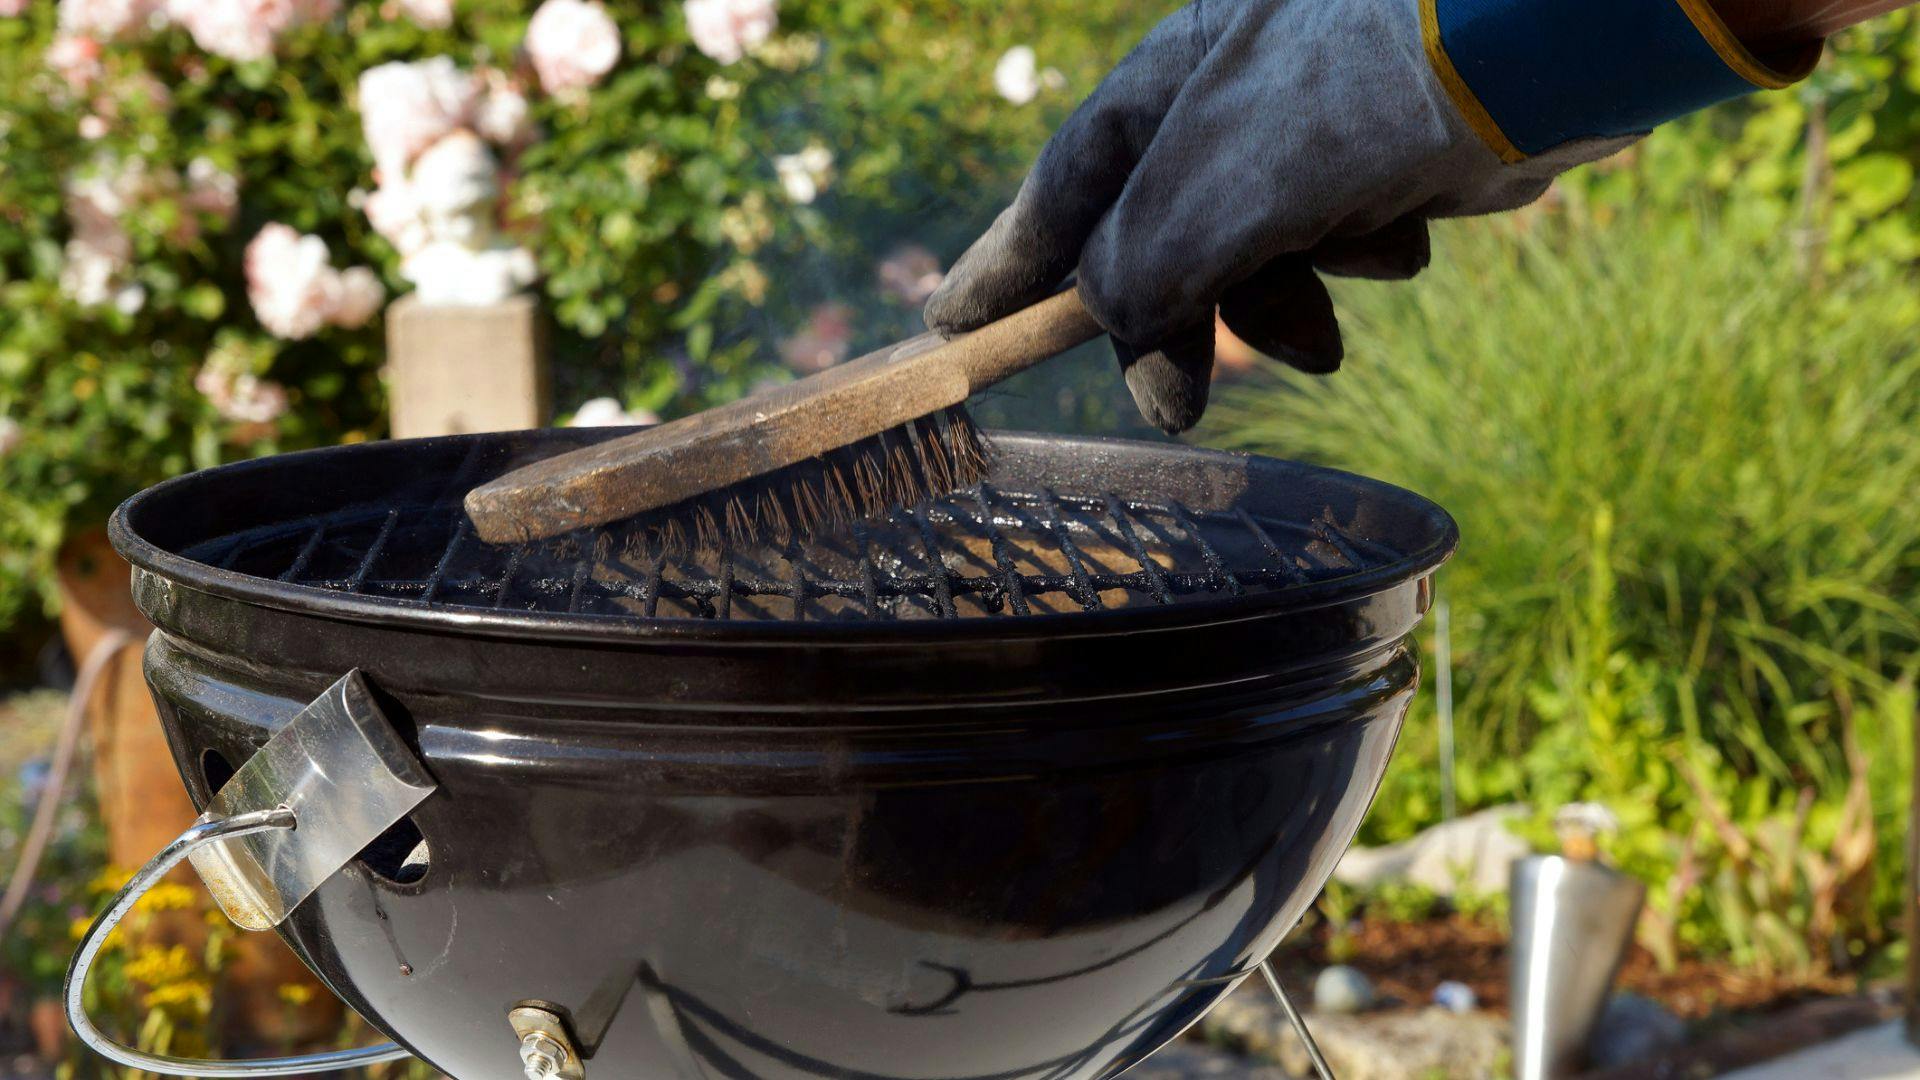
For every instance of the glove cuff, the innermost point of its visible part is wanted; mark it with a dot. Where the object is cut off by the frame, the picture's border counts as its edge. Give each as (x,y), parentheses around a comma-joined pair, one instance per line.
(1529,75)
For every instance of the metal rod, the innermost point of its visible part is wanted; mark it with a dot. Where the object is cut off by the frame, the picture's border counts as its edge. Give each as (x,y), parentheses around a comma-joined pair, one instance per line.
(1320,1066)
(1291,572)
(1123,523)
(205,832)
(1082,591)
(1002,558)
(1443,690)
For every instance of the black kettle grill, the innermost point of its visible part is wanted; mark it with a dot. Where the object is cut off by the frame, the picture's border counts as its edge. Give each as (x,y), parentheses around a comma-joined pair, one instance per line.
(1016,784)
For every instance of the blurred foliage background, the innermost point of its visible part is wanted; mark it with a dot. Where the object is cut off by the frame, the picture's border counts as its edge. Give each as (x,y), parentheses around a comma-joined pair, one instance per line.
(1675,406)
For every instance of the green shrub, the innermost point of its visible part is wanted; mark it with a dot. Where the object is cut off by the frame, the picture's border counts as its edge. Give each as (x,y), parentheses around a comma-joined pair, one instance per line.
(1684,479)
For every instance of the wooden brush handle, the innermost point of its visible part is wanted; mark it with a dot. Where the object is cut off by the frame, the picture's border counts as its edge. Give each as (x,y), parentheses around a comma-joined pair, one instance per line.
(752,437)
(1006,347)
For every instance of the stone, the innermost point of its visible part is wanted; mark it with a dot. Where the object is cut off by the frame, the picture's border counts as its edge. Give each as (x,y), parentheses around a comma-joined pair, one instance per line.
(1185,1060)
(1401,1044)
(1341,989)
(1475,852)
(1455,997)
(1632,1028)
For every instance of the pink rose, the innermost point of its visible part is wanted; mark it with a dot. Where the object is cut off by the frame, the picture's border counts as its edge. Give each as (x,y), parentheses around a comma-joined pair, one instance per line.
(211,190)
(295,292)
(76,59)
(500,116)
(242,397)
(824,342)
(405,108)
(910,275)
(432,14)
(573,44)
(11,8)
(727,30)
(358,298)
(289,282)
(246,29)
(105,20)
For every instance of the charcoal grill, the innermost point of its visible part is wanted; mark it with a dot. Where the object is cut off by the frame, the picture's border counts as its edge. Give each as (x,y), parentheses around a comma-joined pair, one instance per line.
(1014,784)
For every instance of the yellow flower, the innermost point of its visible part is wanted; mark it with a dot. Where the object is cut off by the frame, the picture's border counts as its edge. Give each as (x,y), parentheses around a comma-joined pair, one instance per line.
(296,994)
(167,896)
(157,966)
(188,995)
(110,880)
(78,928)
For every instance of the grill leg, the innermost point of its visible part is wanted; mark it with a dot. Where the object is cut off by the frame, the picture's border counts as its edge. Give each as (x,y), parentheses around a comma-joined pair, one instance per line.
(1299,1022)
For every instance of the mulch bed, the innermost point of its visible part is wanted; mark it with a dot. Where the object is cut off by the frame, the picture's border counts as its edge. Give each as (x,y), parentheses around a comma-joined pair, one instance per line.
(1406,961)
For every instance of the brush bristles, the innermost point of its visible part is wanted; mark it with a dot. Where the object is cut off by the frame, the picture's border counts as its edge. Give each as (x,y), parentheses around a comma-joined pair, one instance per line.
(903,466)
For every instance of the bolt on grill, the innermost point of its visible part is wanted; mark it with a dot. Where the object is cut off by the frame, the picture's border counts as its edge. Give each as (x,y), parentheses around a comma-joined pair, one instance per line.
(988,551)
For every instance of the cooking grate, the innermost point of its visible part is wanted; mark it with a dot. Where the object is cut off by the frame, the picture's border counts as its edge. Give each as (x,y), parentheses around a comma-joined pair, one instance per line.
(989,551)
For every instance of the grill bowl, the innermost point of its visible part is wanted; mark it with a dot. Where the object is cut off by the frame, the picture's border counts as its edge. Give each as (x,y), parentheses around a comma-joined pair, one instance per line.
(834,828)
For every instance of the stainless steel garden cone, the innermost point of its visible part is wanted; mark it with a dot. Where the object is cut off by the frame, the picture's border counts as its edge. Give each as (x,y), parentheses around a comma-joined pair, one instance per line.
(1572,921)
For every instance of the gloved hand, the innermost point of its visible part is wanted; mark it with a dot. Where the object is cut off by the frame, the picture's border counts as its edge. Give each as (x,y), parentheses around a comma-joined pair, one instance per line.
(1243,148)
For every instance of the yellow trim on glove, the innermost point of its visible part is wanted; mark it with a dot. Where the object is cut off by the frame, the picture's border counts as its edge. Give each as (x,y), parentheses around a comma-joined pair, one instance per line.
(1475,114)
(1737,56)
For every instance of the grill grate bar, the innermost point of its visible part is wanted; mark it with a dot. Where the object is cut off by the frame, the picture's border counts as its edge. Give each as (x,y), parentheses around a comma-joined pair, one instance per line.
(582,569)
(379,544)
(1215,565)
(1293,574)
(797,585)
(506,579)
(937,563)
(1002,558)
(869,574)
(461,528)
(726,586)
(1326,530)
(1083,591)
(300,561)
(650,588)
(1123,521)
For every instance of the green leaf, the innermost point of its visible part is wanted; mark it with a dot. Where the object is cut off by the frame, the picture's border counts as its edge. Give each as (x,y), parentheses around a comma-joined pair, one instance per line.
(1874,183)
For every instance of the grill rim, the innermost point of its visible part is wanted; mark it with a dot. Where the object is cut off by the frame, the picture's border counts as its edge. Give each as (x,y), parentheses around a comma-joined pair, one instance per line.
(182,572)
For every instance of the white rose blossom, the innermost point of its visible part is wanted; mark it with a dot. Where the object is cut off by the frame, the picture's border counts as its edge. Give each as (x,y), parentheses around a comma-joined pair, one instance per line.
(572,43)
(805,174)
(1017,75)
(727,30)
(608,412)
(295,291)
